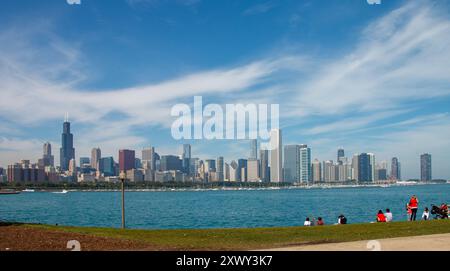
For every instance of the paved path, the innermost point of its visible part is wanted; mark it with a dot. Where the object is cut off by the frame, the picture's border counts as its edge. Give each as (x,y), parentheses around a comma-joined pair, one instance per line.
(437,242)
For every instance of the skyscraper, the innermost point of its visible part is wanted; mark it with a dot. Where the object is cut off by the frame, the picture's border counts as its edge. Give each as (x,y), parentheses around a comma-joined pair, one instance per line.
(148,158)
(291,163)
(254,152)
(242,170)
(210,165)
(126,160)
(96,155)
(340,156)
(276,156)
(264,160)
(67,151)
(395,169)
(106,166)
(305,164)
(220,169)
(425,167)
(329,171)
(170,162)
(253,170)
(316,171)
(49,160)
(366,167)
(186,158)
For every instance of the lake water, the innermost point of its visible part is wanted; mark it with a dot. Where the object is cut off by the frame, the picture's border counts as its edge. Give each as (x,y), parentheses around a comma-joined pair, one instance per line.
(216,209)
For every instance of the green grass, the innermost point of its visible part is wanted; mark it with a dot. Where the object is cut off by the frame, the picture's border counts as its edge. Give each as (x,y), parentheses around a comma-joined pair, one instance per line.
(261,238)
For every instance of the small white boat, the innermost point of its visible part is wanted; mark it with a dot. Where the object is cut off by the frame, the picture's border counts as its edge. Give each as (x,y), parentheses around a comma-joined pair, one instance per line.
(62,192)
(28,190)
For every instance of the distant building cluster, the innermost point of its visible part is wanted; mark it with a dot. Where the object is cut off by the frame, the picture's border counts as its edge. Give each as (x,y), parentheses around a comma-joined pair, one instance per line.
(287,164)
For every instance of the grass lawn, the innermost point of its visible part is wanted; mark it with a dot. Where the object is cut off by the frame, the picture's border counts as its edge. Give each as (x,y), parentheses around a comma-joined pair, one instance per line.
(261,238)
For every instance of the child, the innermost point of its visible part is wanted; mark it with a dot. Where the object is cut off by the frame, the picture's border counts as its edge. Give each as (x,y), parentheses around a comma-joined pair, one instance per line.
(408,212)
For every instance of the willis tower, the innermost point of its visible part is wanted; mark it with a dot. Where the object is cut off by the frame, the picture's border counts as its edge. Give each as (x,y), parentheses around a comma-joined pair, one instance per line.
(67,151)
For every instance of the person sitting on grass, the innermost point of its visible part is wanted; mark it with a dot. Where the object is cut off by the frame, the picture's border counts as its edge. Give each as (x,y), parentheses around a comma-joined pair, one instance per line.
(320,222)
(307,222)
(426,214)
(381,217)
(342,220)
(388,215)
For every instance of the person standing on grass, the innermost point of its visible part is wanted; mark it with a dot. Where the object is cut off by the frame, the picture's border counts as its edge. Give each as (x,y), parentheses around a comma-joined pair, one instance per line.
(413,204)
(426,214)
(388,215)
(381,217)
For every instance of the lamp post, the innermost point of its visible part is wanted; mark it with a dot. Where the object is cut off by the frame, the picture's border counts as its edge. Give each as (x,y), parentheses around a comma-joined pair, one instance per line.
(122,178)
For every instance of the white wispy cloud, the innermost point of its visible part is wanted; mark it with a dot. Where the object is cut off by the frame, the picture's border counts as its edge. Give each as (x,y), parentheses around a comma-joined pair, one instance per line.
(399,58)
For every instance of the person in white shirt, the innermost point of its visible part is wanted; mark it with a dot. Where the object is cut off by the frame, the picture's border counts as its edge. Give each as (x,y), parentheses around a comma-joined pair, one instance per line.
(307,222)
(426,214)
(388,215)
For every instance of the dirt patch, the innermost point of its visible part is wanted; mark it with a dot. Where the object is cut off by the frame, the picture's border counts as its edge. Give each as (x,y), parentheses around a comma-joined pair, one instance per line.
(23,238)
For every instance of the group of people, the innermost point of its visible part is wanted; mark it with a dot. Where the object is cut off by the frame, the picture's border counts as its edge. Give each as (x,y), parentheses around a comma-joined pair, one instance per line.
(320,222)
(411,209)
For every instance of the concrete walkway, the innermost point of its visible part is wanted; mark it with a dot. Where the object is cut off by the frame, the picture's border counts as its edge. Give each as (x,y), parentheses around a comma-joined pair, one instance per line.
(437,242)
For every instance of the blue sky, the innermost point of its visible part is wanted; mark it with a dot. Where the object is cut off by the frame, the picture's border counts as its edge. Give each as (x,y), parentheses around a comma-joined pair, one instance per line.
(369,78)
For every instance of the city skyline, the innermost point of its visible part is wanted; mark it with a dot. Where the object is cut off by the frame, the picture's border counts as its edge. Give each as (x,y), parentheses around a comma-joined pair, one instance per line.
(284,163)
(370,78)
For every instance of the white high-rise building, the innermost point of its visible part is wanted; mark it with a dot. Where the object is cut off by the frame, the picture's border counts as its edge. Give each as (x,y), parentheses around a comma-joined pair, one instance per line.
(234,171)
(276,156)
(305,164)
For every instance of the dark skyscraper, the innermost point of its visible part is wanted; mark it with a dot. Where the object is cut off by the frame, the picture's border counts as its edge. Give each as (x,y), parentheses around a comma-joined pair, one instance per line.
(425,167)
(170,162)
(126,160)
(186,158)
(366,167)
(340,156)
(395,169)
(67,151)
(264,158)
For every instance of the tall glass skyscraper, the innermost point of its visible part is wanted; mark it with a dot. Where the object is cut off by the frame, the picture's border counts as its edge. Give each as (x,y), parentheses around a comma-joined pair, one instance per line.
(395,169)
(425,167)
(291,163)
(366,167)
(67,151)
(340,156)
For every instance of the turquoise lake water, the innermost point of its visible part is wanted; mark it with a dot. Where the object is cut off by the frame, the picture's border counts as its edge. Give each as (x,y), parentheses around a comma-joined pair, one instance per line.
(216,209)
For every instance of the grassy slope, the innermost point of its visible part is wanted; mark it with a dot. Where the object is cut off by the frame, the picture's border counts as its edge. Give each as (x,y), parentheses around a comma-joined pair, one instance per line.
(260,238)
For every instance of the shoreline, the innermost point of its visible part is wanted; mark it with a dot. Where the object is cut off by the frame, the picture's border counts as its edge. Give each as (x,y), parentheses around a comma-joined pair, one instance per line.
(223,188)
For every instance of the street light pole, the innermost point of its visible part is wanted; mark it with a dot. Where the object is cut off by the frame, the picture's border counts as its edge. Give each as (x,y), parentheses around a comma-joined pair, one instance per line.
(122,179)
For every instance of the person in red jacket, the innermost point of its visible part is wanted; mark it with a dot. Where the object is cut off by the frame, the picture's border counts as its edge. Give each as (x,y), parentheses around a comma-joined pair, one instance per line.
(414,205)
(381,217)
